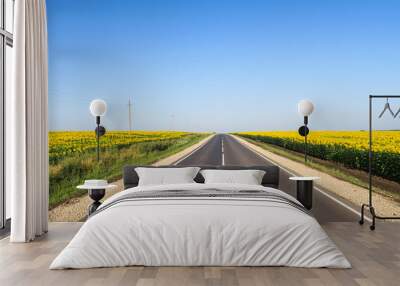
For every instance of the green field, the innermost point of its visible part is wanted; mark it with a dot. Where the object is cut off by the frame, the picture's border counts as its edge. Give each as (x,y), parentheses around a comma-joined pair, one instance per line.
(72,156)
(347,148)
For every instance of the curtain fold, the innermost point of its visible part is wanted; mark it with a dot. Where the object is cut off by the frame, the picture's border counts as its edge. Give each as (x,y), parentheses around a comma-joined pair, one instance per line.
(28,148)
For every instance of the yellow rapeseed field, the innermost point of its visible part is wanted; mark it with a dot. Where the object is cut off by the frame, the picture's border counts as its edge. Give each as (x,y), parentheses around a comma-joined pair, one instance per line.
(348,148)
(62,144)
(73,159)
(383,141)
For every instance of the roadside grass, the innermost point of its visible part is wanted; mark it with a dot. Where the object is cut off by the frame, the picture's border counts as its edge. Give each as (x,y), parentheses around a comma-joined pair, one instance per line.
(71,171)
(382,186)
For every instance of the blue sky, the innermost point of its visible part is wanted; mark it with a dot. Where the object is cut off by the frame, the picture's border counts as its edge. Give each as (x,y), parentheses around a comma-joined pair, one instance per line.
(222,65)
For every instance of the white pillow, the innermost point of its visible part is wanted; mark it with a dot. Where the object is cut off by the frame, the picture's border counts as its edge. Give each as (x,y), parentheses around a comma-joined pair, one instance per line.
(248,177)
(166,176)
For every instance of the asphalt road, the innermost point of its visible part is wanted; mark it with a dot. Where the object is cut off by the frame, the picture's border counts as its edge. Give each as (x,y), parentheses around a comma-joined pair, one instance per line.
(223,149)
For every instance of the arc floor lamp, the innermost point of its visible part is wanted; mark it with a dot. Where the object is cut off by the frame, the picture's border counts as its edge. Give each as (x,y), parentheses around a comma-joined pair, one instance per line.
(305,108)
(98,108)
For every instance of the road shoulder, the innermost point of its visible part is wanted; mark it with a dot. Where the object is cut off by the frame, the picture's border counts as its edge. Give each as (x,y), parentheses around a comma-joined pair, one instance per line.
(354,194)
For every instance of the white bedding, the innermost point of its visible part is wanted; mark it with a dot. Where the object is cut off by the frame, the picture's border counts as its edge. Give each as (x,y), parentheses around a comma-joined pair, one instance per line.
(200,231)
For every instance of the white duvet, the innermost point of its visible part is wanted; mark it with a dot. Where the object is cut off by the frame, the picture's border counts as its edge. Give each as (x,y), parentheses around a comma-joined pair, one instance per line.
(200,231)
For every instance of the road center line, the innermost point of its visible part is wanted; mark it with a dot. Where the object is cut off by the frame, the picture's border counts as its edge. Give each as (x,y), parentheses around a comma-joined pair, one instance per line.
(316,188)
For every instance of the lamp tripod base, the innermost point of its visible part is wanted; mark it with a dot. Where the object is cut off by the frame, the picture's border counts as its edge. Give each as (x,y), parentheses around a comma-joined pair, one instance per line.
(374,216)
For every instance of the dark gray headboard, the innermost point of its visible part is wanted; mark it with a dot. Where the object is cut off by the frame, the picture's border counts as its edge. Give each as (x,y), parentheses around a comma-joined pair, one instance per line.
(271,177)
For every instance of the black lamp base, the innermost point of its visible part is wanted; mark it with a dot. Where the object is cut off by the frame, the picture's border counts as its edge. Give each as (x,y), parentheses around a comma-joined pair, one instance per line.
(305,193)
(96,195)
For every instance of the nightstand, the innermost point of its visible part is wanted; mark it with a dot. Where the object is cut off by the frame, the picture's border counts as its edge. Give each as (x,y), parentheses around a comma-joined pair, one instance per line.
(304,190)
(96,191)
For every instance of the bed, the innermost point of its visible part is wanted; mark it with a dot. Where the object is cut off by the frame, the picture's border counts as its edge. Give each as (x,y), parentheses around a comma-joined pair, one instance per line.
(201,224)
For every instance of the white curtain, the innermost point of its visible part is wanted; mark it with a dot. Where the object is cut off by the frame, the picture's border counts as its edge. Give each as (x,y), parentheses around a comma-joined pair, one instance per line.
(28,129)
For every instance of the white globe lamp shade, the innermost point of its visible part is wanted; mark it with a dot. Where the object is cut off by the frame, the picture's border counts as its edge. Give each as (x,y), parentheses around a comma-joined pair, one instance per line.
(305,107)
(98,107)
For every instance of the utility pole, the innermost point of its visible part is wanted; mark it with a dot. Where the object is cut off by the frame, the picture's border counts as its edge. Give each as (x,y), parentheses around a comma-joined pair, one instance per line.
(130,114)
(172,121)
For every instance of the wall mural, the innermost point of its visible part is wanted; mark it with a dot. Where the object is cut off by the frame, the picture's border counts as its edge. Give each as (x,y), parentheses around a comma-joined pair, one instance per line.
(172,74)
